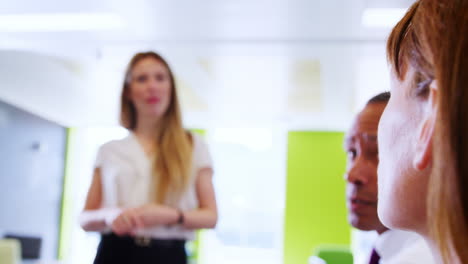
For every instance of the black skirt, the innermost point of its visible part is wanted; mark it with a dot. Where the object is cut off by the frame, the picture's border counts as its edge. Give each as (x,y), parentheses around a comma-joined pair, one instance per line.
(114,249)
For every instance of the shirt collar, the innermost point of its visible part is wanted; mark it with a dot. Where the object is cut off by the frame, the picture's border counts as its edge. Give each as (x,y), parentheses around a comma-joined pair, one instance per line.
(391,242)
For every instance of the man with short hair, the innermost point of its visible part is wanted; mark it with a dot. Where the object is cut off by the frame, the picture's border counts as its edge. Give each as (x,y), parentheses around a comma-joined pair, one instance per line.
(392,246)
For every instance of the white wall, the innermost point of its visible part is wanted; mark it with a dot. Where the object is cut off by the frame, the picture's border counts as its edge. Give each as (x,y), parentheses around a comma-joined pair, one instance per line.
(248,84)
(60,90)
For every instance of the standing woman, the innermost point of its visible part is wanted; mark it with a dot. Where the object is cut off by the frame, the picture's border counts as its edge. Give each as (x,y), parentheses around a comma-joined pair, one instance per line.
(151,190)
(423,133)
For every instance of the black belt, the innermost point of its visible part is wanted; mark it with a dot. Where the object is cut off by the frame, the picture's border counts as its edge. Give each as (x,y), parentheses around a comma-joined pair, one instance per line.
(146,241)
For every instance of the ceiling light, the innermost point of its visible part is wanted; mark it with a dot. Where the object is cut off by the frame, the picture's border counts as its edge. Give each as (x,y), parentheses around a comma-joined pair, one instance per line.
(382,17)
(60,22)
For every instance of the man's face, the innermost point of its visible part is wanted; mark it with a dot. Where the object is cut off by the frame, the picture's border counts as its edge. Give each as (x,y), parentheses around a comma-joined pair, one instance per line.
(361,173)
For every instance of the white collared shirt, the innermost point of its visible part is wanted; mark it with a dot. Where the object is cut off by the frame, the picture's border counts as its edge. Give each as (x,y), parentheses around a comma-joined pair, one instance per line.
(127,175)
(402,247)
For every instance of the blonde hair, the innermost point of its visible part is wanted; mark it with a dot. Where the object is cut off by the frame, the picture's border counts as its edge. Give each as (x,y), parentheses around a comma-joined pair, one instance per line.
(433,39)
(173,151)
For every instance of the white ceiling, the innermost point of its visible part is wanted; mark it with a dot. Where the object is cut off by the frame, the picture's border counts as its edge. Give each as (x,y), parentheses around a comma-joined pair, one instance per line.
(207,21)
(271,33)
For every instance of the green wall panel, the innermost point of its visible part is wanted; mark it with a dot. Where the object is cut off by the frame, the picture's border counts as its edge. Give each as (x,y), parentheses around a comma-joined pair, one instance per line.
(315,194)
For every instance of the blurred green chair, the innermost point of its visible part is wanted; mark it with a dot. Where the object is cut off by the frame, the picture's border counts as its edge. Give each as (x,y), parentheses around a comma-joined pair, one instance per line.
(334,254)
(10,251)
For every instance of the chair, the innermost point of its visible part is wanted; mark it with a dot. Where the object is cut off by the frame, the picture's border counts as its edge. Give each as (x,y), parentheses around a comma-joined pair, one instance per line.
(30,246)
(10,251)
(334,254)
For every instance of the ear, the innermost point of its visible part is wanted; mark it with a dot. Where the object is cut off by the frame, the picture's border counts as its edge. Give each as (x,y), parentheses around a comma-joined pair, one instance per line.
(423,155)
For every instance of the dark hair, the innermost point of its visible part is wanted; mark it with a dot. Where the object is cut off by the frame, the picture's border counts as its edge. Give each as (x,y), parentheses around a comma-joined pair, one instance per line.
(380,98)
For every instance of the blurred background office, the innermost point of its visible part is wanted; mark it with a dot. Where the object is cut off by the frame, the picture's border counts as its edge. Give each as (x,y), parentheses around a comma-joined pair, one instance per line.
(270,84)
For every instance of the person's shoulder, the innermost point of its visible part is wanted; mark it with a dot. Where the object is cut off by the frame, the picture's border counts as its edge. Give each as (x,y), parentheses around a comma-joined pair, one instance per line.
(198,141)
(196,138)
(115,144)
(201,152)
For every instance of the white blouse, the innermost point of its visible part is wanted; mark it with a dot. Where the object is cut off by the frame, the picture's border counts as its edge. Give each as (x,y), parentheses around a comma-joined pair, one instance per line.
(126,179)
(402,247)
